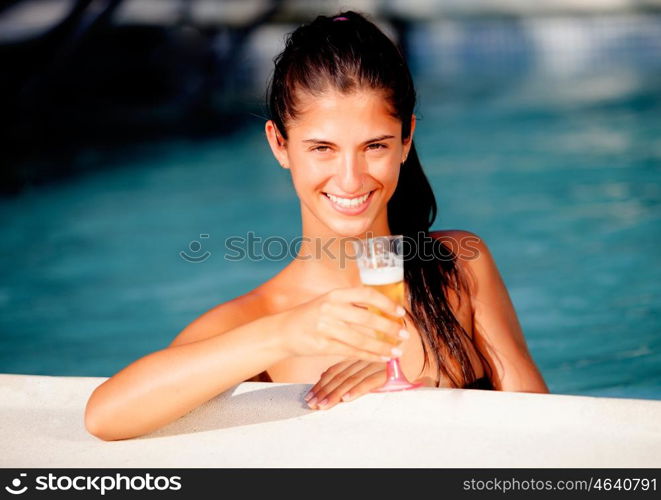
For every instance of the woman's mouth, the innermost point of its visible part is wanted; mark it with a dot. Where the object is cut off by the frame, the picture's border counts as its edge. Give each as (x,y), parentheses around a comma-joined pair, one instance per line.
(350,206)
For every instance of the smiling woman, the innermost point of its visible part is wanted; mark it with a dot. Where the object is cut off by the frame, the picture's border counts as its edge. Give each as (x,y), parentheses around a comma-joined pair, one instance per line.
(341,103)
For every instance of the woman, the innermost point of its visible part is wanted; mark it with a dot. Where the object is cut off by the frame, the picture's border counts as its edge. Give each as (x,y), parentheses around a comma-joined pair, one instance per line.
(341,103)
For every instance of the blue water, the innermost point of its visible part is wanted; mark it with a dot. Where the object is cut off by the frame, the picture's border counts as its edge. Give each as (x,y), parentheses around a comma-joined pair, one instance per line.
(564,186)
(568,198)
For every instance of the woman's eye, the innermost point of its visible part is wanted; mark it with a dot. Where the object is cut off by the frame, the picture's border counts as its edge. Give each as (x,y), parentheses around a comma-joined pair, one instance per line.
(372,147)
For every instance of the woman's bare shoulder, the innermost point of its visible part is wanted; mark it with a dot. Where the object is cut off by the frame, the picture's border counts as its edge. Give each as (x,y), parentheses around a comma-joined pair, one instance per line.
(463,245)
(466,245)
(468,248)
(497,330)
(223,317)
(473,256)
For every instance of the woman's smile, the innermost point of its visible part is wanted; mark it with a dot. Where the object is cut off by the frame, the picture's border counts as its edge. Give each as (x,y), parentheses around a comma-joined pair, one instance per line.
(350,206)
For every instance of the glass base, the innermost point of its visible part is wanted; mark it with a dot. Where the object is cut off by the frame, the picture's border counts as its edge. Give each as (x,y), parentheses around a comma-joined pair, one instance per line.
(398,386)
(396,379)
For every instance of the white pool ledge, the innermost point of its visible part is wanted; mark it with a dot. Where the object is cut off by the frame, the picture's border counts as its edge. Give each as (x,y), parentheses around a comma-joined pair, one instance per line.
(268,425)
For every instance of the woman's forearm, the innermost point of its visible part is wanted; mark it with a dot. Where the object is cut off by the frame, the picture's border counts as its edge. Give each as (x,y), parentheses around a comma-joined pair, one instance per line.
(165,385)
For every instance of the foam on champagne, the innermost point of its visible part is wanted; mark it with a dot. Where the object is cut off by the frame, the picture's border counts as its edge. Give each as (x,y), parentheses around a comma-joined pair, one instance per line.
(381,275)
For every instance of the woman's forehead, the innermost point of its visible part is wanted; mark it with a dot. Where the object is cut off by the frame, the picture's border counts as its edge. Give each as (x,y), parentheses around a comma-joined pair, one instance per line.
(334,110)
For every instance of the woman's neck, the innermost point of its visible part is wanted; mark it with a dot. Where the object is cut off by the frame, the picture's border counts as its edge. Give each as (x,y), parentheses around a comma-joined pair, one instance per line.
(327,259)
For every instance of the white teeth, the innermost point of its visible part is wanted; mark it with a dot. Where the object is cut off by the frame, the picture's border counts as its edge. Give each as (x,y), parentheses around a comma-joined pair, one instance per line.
(344,202)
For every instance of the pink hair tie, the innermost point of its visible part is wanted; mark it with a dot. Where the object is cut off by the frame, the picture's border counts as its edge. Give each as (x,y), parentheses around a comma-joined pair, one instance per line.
(340,18)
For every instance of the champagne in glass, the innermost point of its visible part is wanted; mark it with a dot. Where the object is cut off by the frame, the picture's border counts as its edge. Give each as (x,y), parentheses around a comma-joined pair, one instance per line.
(381,265)
(390,282)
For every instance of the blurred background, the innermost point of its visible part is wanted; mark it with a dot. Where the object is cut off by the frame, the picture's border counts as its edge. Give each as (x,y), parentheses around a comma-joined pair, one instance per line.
(133,147)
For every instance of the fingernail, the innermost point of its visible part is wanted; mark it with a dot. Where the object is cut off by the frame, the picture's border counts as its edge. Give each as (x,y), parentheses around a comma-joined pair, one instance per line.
(323,403)
(346,397)
(385,358)
(401,311)
(309,395)
(312,402)
(396,352)
(404,334)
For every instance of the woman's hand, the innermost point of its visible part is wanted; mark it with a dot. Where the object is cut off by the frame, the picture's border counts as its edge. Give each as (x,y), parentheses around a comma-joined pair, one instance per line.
(333,324)
(346,381)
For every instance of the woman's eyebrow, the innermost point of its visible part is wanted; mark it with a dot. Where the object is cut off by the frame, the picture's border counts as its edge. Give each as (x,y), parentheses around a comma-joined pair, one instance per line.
(375,139)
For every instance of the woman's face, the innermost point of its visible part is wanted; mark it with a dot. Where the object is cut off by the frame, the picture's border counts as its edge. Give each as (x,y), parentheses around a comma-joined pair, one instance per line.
(344,153)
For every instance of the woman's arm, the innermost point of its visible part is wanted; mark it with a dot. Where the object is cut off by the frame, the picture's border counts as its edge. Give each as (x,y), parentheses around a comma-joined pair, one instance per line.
(496,328)
(201,363)
(226,346)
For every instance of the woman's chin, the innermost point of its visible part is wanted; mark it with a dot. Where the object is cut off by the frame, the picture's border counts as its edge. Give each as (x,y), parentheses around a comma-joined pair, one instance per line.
(351,229)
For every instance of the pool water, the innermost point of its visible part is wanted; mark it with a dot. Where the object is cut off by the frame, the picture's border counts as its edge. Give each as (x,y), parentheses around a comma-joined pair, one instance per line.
(563,185)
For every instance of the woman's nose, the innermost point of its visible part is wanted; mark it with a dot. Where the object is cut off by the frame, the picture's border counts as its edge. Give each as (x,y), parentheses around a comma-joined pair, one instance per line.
(351,175)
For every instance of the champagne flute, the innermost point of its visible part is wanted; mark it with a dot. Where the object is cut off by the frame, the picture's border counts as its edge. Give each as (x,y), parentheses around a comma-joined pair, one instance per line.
(381,264)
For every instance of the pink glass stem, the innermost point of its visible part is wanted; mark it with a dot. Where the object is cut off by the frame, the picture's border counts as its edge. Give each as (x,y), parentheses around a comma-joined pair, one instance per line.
(396,379)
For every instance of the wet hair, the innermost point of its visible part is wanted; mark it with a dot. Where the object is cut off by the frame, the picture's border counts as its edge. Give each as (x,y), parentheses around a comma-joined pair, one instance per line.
(348,52)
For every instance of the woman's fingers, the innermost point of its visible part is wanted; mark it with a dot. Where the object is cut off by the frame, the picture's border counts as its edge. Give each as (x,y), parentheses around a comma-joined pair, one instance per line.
(368,384)
(335,375)
(363,329)
(348,342)
(336,370)
(366,295)
(351,385)
(364,317)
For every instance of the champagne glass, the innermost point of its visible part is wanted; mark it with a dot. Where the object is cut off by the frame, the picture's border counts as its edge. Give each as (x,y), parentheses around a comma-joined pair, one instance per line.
(381,264)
